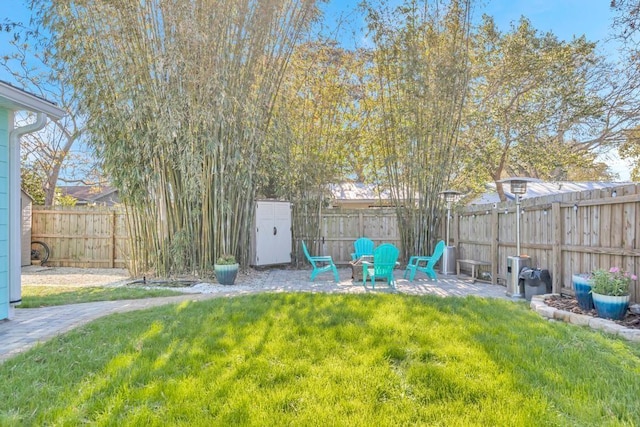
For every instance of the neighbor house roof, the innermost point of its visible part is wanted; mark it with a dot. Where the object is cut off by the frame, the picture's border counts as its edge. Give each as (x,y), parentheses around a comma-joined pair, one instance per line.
(85,194)
(358,191)
(539,189)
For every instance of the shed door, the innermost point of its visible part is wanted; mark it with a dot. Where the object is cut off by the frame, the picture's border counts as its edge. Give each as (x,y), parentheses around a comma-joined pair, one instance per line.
(282,232)
(273,233)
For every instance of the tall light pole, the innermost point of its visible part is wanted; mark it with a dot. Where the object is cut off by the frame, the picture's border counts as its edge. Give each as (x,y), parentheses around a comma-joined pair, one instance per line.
(516,263)
(448,265)
(518,188)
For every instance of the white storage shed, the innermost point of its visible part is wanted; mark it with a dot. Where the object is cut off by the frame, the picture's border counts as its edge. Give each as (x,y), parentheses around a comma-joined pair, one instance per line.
(271,237)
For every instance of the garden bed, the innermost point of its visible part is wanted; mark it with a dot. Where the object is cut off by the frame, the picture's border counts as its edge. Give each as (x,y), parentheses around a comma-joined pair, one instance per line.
(570,304)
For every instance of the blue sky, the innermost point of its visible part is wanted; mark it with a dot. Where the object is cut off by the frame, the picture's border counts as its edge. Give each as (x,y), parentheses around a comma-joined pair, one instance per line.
(566,18)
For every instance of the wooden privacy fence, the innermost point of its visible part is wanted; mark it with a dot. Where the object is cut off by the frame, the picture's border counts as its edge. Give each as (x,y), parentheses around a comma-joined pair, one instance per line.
(98,237)
(339,228)
(82,237)
(565,234)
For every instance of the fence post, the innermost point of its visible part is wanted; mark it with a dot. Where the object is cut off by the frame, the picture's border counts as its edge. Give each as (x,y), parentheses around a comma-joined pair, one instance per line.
(495,239)
(113,239)
(556,249)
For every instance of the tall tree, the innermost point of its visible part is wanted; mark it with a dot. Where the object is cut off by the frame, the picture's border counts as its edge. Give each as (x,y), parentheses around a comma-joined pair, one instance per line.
(626,27)
(420,73)
(317,119)
(539,107)
(179,95)
(48,154)
(315,137)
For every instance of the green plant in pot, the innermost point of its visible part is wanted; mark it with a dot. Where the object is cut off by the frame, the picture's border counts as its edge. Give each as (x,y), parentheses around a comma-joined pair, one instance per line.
(610,291)
(226,269)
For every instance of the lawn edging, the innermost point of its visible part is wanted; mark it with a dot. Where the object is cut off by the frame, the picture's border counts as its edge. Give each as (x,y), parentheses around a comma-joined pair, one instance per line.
(609,326)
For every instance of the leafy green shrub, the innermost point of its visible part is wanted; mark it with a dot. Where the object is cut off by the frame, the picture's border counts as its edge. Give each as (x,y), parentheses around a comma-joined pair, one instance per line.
(614,282)
(226,259)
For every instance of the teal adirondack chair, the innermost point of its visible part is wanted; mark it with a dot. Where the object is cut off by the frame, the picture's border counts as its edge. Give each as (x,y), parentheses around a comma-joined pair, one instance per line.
(320,264)
(415,263)
(385,258)
(363,246)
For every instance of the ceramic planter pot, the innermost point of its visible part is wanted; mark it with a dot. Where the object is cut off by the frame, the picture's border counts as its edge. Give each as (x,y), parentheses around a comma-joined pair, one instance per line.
(610,307)
(226,274)
(582,289)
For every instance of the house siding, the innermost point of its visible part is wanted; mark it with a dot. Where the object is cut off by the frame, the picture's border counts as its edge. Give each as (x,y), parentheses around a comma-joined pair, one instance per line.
(4,213)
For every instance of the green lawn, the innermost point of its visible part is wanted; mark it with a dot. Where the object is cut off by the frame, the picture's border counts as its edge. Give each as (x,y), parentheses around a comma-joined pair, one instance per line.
(328,360)
(44,296)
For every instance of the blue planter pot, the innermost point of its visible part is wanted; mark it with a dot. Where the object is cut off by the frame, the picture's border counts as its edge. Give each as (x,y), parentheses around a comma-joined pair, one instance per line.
(582,289)
(610,307)
(226,274)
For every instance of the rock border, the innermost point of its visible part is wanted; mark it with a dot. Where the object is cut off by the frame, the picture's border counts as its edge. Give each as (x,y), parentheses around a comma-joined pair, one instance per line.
(609,326)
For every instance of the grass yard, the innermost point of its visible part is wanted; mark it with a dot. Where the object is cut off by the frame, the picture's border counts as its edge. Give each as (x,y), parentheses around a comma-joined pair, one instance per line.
(326,359)
(45,296)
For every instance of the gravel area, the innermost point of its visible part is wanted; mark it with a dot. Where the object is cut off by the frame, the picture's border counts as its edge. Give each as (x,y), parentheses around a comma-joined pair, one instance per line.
(79,277)
(87,277)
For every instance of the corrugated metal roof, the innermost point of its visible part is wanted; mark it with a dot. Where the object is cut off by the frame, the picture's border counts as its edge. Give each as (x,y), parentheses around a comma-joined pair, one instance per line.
(358,191)
(539,189)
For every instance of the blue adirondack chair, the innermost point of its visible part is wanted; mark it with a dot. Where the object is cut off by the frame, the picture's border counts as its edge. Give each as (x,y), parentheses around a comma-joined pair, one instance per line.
(363,246)
(320,264)
(415,263)
(385,258)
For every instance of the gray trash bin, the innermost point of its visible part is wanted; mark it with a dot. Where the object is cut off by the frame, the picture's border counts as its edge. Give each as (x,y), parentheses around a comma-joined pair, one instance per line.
(536,282)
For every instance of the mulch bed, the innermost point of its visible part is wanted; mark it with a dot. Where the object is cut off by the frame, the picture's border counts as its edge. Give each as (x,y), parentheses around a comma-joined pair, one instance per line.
(570,304)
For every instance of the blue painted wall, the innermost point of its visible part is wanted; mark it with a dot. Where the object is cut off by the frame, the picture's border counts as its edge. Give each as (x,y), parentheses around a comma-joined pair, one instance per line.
(4,213)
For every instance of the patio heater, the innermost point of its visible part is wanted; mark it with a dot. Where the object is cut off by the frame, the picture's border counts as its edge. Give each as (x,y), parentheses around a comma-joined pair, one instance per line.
(448,264)
(516,263)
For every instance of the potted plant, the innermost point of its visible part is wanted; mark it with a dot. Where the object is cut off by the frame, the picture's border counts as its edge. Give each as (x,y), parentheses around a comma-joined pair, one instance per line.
(610,291)
(582,289)
(226,269)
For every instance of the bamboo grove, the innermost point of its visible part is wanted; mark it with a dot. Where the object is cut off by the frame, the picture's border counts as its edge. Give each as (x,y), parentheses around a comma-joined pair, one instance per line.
(179,96)
(421,69)
(197,107)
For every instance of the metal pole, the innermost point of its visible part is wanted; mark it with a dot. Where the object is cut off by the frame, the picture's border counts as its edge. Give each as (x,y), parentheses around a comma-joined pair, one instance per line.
(517,225)
(448,219)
